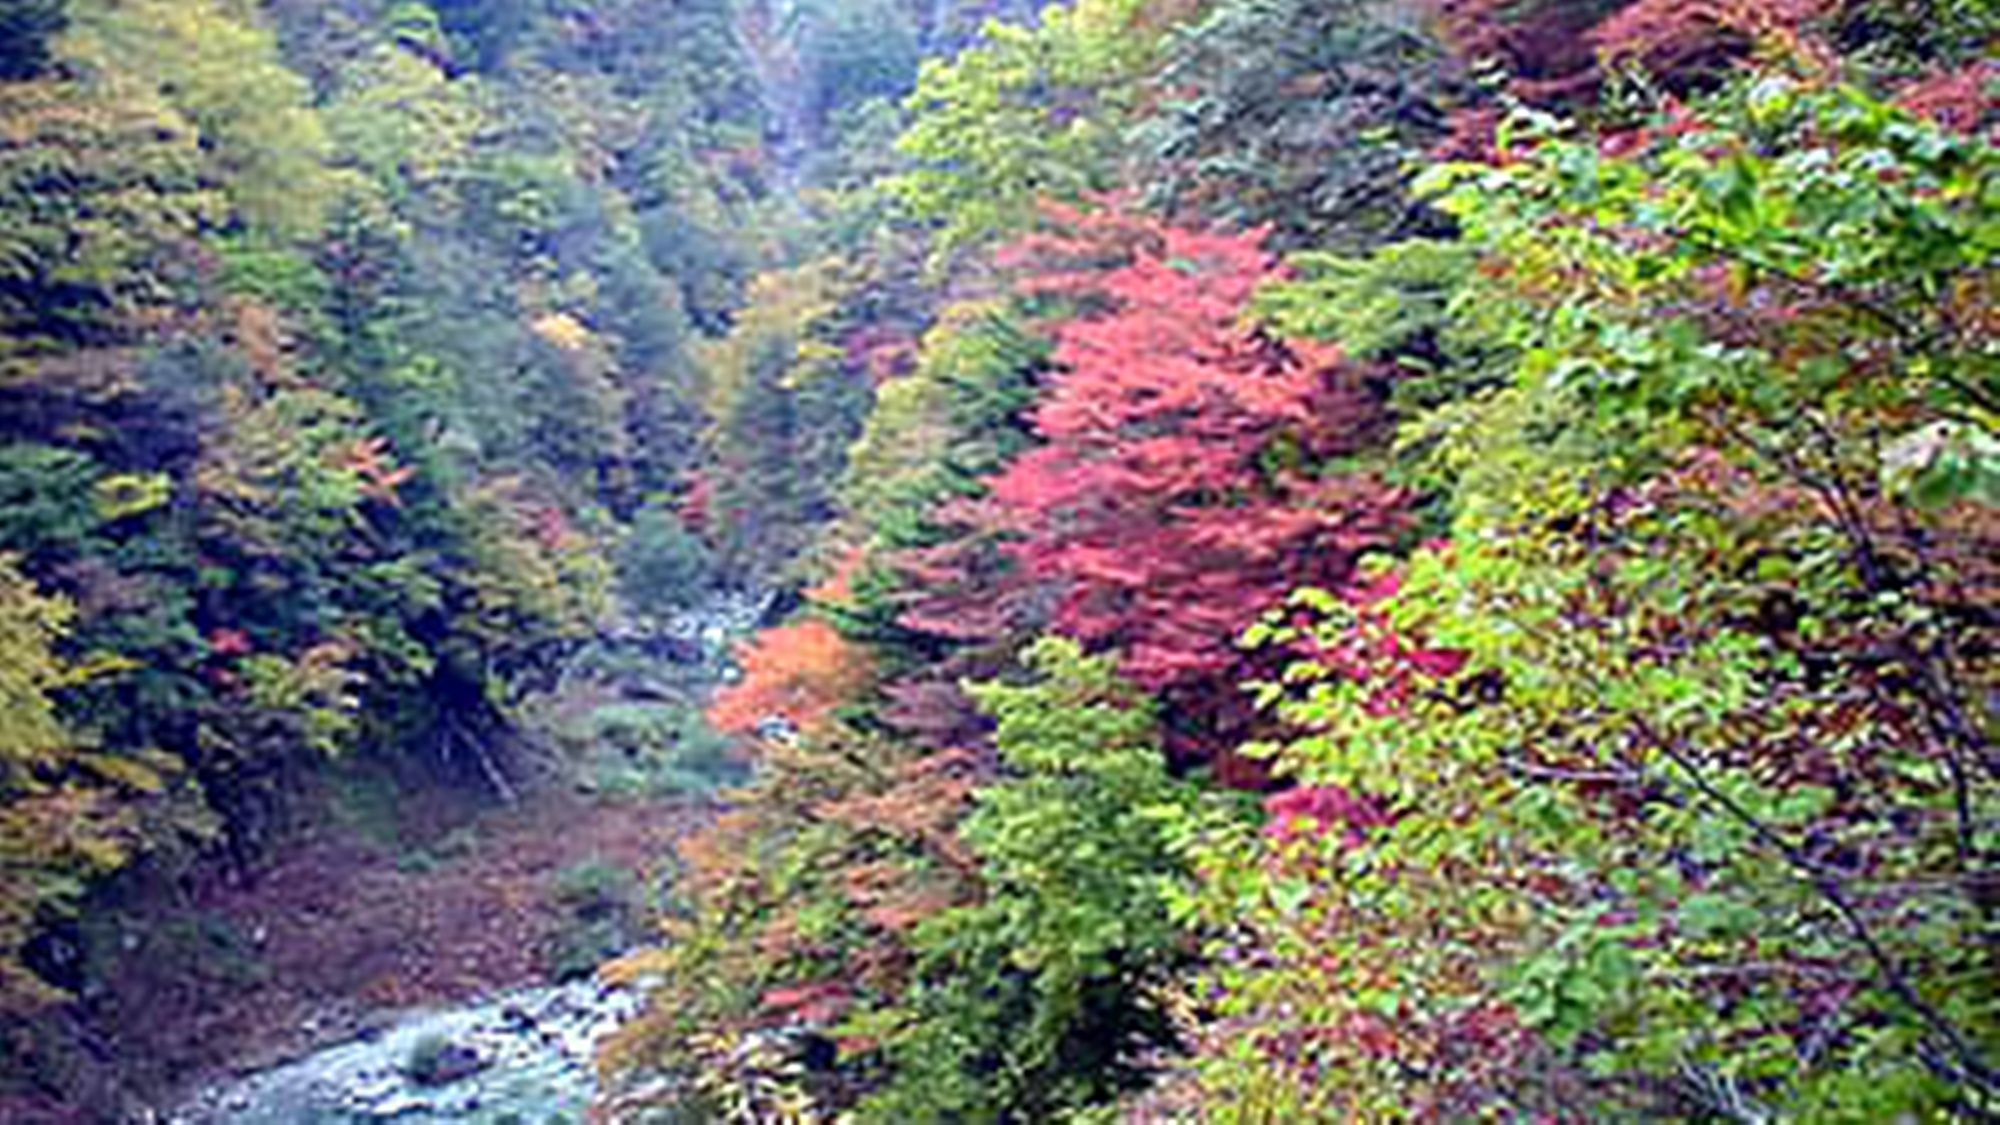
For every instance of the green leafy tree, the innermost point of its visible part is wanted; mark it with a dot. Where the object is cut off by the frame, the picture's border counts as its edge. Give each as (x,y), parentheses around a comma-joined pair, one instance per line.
(854,52)
(401,118)
(60,820)
(99,198)
(786,403)
(663,565)
(1311,117)
(1037,1000)
(218,65)
(1610,800)
(1026,115)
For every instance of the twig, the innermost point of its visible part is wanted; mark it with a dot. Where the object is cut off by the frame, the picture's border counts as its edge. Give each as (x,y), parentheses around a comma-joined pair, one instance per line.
(1966,1059)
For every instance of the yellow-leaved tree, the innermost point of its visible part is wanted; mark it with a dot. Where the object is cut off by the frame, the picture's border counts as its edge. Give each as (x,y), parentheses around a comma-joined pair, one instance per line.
(58,825)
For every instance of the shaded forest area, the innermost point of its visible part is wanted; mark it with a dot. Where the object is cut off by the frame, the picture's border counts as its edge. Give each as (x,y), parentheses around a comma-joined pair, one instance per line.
(1337,560)
(353,384)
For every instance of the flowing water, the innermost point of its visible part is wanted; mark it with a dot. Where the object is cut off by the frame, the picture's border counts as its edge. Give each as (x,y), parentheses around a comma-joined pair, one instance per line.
(525,1058)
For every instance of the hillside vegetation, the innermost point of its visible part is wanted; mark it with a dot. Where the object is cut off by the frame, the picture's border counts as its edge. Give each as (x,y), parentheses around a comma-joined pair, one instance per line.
(1333,560)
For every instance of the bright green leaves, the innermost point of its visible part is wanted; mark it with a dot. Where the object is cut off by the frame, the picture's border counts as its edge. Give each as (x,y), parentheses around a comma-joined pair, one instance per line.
(403,120)
(1073,923)
(1716,917)
(1080,720)
(1859,221)
(1397,302)
(1708,409)
(1026,115)
(1359,939)
(1566,988)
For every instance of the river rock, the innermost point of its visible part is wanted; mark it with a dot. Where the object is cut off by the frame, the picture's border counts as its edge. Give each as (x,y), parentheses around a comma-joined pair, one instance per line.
(449,1063)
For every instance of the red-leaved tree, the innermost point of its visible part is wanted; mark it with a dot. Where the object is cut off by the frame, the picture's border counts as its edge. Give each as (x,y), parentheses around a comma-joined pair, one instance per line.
(1183,485)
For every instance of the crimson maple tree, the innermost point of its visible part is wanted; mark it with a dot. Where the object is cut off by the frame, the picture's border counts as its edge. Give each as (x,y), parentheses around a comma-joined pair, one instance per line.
(1183,484)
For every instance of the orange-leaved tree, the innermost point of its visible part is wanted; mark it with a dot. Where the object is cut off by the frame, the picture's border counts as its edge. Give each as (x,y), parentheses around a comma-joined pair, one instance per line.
(801,674)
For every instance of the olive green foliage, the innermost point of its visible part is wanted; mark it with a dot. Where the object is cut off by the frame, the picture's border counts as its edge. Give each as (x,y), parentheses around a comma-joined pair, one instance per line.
(857,52)
(600,904)
(400,117)
(60,817)
(786,401)
(338,343)
(957,418)
(647,749)
(99,193)
(1394,304)
(218,66)
(663,566)
(1310,116)
(1402,309)
(1912,39)
(931,439)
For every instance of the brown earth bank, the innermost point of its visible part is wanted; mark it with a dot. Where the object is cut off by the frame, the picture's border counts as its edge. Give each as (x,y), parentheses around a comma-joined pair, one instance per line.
(382,899)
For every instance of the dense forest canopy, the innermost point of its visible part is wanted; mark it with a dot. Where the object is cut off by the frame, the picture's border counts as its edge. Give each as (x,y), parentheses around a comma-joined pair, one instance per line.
(1331,560)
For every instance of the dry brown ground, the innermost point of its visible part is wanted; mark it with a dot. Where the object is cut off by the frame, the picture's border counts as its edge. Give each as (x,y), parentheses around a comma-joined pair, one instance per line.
(337,932)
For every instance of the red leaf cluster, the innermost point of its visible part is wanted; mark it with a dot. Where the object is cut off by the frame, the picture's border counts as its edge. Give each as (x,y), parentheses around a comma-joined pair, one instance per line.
(1312,811)
(1557,54)
(1671,37)
(1393,665)
(1965,100)
(1178,494)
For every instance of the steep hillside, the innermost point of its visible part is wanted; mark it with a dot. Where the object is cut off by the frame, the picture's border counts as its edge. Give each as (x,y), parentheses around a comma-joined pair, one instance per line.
(1296,560)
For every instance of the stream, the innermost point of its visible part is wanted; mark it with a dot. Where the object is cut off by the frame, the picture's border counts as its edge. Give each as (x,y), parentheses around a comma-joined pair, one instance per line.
(523,1058)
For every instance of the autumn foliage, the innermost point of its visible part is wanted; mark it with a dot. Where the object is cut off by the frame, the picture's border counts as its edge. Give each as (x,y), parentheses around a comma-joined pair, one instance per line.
(1595,602)
(1681,37)
(800,673)
(1181,490)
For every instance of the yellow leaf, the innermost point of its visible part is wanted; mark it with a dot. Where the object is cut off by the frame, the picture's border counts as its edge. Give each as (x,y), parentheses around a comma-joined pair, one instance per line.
(133,775)
(564,331)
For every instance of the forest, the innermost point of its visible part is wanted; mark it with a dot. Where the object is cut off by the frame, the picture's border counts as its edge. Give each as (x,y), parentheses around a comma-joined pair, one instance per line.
(1004,561)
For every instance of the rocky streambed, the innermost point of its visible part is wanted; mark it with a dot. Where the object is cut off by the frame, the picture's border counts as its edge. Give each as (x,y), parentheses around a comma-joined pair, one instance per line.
(524,1058)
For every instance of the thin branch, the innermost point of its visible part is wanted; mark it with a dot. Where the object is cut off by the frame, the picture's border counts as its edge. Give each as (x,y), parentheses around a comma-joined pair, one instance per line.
(1966,1059)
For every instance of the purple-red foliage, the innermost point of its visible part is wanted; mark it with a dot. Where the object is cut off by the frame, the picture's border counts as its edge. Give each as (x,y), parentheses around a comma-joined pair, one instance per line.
(1180,490)
(1966,100)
